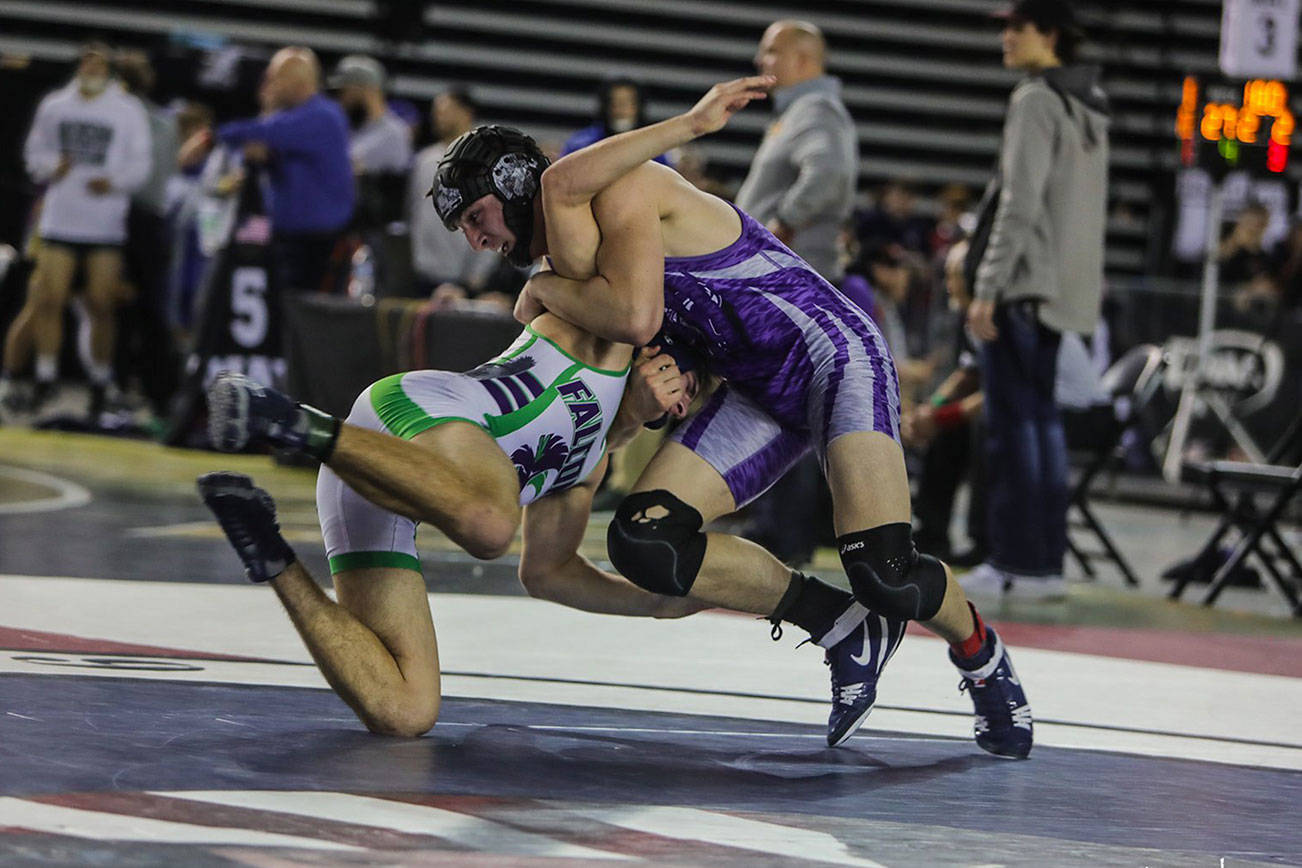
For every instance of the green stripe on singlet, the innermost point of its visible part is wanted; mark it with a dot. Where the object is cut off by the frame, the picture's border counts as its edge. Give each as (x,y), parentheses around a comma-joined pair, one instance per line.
(363,560)
(402,416)
(560,349)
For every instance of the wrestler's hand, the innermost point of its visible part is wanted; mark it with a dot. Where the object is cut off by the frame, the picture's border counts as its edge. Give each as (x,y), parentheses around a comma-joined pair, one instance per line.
(918,426)
(981,319)
(726,99)
(657,387)
(527,308)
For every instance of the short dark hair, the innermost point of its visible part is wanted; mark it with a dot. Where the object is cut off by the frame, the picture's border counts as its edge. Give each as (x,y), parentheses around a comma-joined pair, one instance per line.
(1048,16)
(463,98)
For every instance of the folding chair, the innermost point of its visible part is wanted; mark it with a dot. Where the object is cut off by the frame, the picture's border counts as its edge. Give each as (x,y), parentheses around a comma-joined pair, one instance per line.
(1279,482)
(1131,382)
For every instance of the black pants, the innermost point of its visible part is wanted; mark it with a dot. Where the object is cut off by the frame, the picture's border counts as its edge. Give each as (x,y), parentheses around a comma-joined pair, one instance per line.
(144,348)
(302,261)
(954,455)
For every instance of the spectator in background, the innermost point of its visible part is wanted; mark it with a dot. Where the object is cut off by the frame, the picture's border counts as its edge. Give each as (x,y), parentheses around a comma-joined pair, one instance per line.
(946,431)
(303,143)
(90,143)
(954,200)
(801,186)
(620,108)
(187,260)
(889,278)
(894,219)
(1247,265)
(145,339)
(379,141)
(1243,254)
(801,182)
(1288,272)
(1039,258)
(446,267)
(379,145)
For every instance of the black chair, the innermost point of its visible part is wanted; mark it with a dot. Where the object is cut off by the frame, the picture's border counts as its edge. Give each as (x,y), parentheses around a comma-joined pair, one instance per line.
(1262,495)
(1131,382)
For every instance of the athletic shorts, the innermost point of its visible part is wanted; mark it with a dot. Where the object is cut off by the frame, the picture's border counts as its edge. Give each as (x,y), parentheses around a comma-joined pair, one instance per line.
(751,450)
(82,248)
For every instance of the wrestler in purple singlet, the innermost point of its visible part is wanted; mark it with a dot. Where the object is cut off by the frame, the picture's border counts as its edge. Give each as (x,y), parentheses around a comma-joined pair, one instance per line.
(802,363)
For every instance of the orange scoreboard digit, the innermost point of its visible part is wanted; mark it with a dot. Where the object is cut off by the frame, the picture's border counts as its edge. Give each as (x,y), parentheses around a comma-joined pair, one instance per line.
(1221,132)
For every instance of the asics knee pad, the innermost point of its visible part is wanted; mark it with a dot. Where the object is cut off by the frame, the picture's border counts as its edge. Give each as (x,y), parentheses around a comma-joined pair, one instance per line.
(655,542)
(889,576)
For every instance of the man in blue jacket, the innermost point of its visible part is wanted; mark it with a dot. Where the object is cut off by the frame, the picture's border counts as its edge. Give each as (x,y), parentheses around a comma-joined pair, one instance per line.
(303,142)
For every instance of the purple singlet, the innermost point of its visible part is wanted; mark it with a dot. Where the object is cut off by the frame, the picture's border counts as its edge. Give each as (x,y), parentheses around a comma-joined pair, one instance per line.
(802,363)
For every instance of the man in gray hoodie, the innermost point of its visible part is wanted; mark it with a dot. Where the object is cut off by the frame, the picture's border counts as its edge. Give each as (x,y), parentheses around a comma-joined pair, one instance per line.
(1038,255)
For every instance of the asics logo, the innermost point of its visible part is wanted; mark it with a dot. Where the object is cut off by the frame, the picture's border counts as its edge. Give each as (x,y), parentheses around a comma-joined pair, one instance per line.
(850,547)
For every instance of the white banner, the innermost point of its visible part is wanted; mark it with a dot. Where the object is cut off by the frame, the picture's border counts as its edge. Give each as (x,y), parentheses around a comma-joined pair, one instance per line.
(1259,39)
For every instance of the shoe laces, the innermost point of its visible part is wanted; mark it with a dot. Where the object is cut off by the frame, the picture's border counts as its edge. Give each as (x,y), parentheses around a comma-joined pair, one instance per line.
(849,693)
(990,702)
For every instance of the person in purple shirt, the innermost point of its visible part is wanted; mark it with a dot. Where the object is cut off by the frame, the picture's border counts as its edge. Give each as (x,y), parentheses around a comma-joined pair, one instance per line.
(303,142)
(636,252)
(621,108)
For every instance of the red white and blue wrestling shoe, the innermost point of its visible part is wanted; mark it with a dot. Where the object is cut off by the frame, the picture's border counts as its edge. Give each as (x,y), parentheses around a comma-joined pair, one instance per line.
(1003,716)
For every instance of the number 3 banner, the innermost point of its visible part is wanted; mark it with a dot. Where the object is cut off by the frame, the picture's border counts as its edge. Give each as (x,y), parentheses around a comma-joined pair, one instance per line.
(1259,39)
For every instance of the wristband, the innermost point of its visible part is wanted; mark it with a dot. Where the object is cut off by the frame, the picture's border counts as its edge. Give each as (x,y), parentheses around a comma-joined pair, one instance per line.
(949,415)
(938,400)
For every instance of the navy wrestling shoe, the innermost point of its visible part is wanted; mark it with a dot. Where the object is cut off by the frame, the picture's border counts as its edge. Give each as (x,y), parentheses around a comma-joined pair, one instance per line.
(856,663)
(1003,716)
(243,411)
(247,516)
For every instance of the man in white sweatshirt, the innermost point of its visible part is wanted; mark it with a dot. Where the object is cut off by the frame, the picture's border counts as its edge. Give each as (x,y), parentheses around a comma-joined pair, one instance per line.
(90,144)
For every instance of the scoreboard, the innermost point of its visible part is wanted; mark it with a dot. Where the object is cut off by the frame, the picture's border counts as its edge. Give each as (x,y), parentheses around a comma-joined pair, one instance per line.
(1222,129)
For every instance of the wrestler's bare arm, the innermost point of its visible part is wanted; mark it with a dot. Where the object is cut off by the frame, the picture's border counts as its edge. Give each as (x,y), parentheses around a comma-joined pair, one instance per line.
(570,184)
(577,178)
(551,567)
(573,238)
(624,300)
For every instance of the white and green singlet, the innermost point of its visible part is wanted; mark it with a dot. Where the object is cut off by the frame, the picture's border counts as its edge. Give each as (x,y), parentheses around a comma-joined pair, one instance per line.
(548,411)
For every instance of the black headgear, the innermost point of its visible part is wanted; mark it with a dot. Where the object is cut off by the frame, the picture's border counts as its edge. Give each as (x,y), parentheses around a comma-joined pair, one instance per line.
(497,160)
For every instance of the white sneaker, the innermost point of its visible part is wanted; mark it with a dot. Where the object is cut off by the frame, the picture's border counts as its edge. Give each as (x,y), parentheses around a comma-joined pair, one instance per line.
(984,580)
(1037,588)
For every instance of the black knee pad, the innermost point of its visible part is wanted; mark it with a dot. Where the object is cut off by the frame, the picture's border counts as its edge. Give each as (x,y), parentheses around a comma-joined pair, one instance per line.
(656,542)
(889,576)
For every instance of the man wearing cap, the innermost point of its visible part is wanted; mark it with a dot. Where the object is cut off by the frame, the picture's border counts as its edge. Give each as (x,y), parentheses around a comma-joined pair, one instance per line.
(438,256)
(1037,263)
(379,141)
(303,142)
